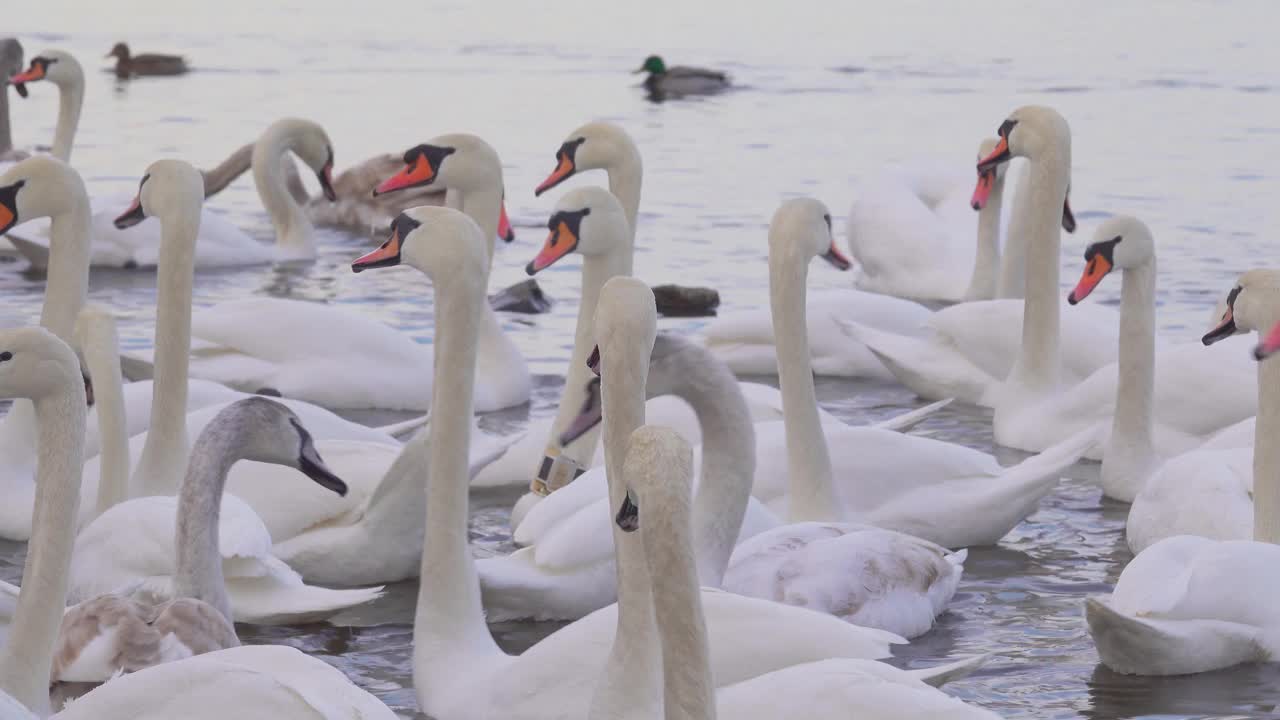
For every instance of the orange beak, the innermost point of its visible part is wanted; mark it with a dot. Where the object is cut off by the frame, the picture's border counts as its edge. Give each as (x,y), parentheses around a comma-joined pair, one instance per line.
(999,154)
(560,242)
(420,173)
(32,74)
(563,170)
(1269,345)
(388,255)
(982,193)
(837,258)
(132,216)
(504,226)
(1097,269)
(8,218)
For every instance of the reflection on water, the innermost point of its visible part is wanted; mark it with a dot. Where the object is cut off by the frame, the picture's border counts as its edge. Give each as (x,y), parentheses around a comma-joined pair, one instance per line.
(1177,126)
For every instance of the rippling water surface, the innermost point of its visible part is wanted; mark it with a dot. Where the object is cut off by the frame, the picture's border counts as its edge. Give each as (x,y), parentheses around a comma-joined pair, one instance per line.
(1174,118)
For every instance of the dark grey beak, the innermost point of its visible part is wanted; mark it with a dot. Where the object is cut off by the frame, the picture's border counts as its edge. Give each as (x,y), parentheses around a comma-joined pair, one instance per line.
(628,517)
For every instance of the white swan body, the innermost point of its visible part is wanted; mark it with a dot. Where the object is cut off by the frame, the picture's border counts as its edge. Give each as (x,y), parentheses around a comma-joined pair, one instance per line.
(806,470)
(1177,607)
(657,469)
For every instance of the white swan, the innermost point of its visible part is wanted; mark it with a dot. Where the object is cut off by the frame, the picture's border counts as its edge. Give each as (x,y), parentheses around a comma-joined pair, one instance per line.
(263,342)
(810,471)
(1178,607)
(1157,407)
(130,631)
(220,239)
(657,470)
(1230,480)
(910,245)
(459,671)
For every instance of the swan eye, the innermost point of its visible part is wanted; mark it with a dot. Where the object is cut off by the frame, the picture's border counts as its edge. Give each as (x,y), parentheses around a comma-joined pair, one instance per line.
(6,356)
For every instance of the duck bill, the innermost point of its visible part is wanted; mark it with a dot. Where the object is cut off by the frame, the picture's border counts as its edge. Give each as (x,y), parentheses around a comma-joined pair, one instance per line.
(387,255)
(837,258)
(564,170)
(132,216)
(1097,269)
(325,176)
(504,226)
(560,242)
(982,192)
(416,175)
(1225,329)
(1000,153)
(1068,217)
(311,465)
(1269,346)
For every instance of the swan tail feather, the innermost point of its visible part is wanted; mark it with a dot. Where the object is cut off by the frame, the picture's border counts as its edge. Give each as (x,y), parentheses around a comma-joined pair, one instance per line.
(403,429)
(929,369)
(264,602)
(908,420)
(1133,645)
(942,674)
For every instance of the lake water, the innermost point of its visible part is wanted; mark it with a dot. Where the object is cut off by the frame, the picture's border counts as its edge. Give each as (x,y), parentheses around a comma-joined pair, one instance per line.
(1174,118)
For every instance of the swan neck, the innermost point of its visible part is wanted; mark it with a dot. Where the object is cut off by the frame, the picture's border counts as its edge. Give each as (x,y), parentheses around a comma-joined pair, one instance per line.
(199,561)
(1135,384)
(1013,262)
(987,261)
(294,233)
(103,358)
(688,693)
(27,658)
(728,462)
(808,461)
(484,206)
(218,178)
(6,135)
(70,100)
(163,459)
(1266,456)
(67,284)
(449,624)
(624,182)
(1037,366)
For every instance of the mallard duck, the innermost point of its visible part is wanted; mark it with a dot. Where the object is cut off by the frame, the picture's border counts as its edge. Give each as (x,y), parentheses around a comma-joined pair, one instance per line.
(675,81)
(128,65)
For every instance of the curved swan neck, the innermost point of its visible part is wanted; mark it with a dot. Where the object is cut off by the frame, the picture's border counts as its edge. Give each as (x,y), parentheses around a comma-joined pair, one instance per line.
(625,178)
(70,100)
(67,284)
(688,693)
(102,355)
(484,205)
(164,454)
(199,562)
(1130,443)
(1266,456)
(294,232)
(728,460)
(1037,367)
(808,461)
(219,177)
(26,660)
(449,626)
(987,262)
(1013,261)
(596,271)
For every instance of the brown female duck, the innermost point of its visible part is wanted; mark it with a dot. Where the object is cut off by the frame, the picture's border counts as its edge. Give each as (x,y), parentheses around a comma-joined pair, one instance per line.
(128,65)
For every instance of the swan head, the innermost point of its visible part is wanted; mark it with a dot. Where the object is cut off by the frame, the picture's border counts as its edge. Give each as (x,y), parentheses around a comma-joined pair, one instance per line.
(1252,305)
(987,179)
(442,242)
(458,161)
(268,431)
(56,66)
(803,226)
(35,364)
(587,220)
(40,186)
(1031,131)
(168,187)
(596,145)
(659,475)
(1121,243)
(309,141)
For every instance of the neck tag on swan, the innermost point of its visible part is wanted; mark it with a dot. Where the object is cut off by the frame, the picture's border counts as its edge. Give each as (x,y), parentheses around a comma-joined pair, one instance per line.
(555,472)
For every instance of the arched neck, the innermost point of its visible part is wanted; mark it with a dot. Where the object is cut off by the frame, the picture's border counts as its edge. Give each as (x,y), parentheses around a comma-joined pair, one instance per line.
(986,262)
(236,164)
(70,100)
(294,233)
(1131,438)
(1013,261)
(808,461)
(27,658)
(624,182)
(164,454)
(1037,368)
(199,562)
(631,674)
(449,626)
(1266,456)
